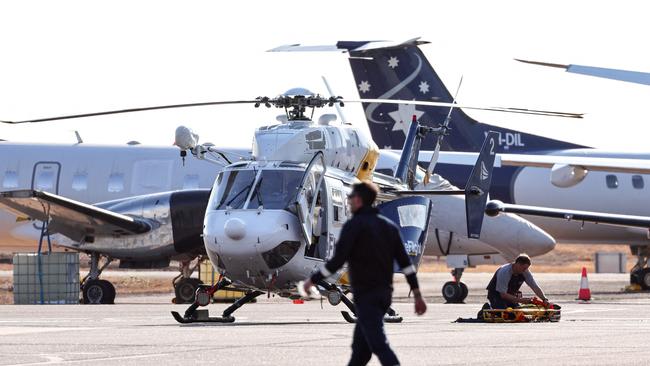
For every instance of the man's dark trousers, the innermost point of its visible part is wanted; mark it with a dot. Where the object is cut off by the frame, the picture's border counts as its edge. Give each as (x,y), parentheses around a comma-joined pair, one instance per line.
(369,336)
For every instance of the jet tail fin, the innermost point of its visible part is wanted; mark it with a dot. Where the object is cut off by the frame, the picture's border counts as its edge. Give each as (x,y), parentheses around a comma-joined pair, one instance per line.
(478,186)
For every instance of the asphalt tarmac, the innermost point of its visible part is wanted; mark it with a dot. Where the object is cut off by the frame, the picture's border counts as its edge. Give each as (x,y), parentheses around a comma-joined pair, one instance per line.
(140,330)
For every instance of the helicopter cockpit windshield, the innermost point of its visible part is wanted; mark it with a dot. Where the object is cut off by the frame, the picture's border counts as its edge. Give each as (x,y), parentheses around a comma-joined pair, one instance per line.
(272,189)
(275,189)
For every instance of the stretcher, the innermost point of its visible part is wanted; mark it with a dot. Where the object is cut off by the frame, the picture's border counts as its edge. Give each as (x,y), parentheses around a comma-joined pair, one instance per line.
(535,312)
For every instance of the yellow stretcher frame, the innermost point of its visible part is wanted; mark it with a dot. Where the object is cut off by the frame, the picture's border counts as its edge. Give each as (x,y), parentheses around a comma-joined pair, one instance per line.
(523,314)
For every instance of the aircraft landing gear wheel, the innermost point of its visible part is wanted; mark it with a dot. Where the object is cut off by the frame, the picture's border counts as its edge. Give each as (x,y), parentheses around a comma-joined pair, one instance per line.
(185,290)
(464,291)
(452,292)
(110,292)
(98,292)
(641,277)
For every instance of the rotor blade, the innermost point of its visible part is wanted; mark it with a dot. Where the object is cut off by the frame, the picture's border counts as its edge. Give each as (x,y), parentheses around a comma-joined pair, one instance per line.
(451,109)
(131,110)
(338,107)
(436,151)
(447,105)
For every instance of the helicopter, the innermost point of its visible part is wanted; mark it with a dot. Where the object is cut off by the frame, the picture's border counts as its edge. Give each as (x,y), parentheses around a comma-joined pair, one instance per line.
(274,219)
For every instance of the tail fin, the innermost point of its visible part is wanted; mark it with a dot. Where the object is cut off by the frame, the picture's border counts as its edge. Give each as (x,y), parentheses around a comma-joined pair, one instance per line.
(478,186)
(385,70)
(408,161)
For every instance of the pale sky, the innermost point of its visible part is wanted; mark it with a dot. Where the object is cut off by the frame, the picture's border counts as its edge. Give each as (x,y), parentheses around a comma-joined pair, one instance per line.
(64,57)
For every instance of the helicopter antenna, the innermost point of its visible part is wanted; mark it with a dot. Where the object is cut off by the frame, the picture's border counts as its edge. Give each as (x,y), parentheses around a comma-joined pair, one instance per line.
(440,135)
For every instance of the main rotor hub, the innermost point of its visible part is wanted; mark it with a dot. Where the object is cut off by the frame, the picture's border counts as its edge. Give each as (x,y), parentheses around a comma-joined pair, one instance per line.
(295,105)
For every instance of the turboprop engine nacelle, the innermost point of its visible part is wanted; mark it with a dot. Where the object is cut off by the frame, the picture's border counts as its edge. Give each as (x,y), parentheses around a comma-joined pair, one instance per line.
(564,176)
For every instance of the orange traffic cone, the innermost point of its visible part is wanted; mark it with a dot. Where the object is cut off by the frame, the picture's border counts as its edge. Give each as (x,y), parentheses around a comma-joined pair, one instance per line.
(584,294)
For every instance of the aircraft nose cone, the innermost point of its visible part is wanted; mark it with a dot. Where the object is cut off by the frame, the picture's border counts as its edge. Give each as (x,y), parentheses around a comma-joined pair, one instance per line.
(512,235)
(535,241)
(235,228)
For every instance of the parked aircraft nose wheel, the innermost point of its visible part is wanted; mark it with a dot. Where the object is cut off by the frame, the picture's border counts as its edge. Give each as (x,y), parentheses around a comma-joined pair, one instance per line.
(98,292)
(454,292)
(185,290)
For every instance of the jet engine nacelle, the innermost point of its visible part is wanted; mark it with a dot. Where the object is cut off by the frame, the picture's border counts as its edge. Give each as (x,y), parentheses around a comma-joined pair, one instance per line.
(176,220)
(564,176)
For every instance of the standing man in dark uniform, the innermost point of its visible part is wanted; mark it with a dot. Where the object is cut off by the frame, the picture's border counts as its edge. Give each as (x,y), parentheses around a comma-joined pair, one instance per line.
(503,289)
(370,244)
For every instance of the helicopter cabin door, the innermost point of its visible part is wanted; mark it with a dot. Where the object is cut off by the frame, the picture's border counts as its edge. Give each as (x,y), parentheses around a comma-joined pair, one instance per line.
(411,214)
(307,199)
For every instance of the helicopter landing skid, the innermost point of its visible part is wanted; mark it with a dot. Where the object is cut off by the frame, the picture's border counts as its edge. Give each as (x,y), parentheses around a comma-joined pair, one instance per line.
(390,317)
(192,315)
(202,316)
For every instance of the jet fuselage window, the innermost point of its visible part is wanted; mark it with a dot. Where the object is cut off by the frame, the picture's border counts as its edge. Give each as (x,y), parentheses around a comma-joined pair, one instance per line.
(116,182)
(10,180)
(637,182)
(275,189)
(612,181)
(45,180)
(80,181)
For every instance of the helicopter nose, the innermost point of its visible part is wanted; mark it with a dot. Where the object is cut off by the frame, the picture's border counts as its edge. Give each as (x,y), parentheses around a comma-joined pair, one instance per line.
(235,228)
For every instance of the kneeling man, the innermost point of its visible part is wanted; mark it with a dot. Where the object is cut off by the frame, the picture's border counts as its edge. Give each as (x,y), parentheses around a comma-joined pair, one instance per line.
(503,290)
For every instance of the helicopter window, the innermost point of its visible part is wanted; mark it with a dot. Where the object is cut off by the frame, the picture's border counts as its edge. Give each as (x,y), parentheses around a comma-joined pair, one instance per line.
(612,181)
(337,203)
(275,189)
(354,138)
(385,171)
(233,188)
(315,140)
(637,182)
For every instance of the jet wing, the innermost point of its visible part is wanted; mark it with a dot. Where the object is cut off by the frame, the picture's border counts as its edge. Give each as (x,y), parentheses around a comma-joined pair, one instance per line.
(493,208)
(73,219)
(614,165)
(635,77)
